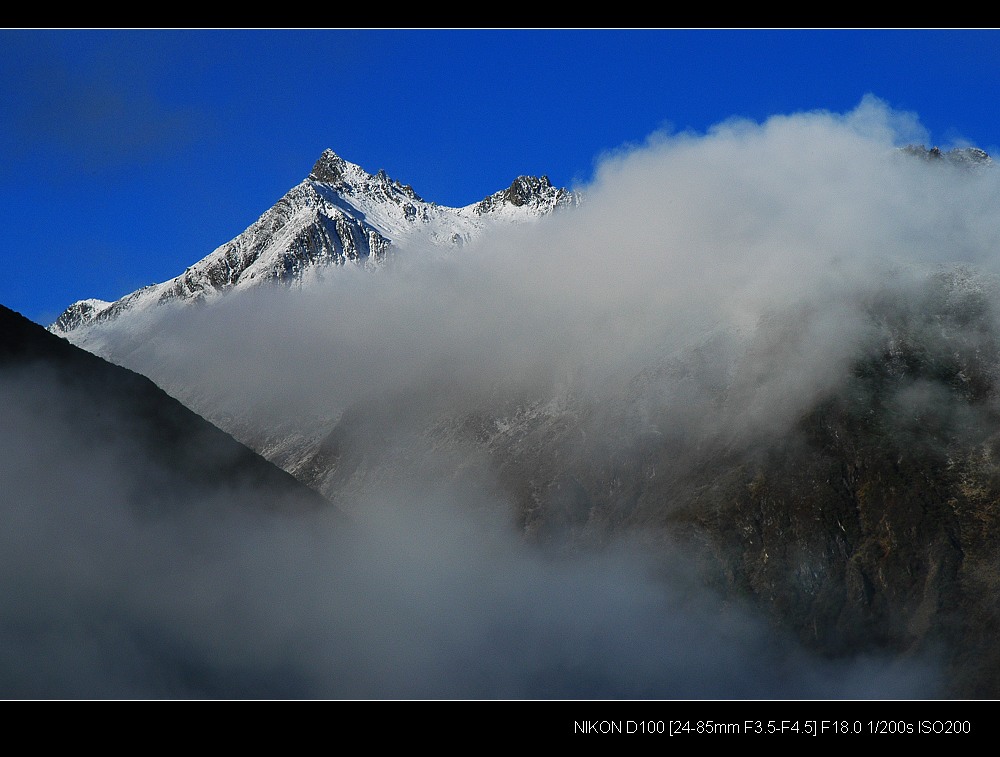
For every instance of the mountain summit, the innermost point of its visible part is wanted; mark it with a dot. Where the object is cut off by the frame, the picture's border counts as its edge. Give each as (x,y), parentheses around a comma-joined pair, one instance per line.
(339,214)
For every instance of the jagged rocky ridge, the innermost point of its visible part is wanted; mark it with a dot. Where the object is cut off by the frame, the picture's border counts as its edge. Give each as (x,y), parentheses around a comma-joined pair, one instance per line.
(966,157)
(339,214)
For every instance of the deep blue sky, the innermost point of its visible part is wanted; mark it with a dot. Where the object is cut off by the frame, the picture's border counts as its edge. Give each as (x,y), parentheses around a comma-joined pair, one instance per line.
(130,154)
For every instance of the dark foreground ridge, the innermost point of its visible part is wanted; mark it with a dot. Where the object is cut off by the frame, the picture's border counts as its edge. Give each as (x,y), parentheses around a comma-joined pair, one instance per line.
(109,404)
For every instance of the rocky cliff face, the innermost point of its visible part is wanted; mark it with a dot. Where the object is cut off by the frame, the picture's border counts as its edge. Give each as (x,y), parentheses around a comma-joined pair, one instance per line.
(874,524)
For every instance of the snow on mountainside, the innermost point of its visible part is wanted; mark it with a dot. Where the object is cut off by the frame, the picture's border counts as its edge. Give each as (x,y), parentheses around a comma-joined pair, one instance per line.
(339,214)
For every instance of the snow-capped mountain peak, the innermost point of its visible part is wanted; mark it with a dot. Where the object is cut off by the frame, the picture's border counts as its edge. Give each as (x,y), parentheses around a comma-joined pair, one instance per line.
(339,214)
(334,171)
(964,157)
(78,314)
(532,192)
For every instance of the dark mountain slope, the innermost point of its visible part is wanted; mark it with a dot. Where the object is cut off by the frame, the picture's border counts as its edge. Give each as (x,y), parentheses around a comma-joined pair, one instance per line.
(873,526)
(110,405)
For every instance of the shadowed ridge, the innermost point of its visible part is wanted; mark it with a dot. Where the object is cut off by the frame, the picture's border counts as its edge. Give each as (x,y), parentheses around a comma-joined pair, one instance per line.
(112,404)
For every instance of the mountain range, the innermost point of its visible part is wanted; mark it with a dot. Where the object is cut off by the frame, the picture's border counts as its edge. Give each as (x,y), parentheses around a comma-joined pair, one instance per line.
(338,215)
(857,514)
